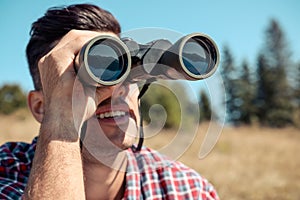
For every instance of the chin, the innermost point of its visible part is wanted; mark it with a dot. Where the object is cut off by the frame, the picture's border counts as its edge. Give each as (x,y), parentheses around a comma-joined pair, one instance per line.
(122,140)
(123,136)
(128,141)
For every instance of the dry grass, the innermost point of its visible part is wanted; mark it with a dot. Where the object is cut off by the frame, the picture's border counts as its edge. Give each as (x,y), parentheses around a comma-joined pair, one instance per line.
(247,162)
(20,126)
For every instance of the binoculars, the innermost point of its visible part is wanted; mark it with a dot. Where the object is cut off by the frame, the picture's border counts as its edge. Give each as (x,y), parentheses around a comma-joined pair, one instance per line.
(107,60)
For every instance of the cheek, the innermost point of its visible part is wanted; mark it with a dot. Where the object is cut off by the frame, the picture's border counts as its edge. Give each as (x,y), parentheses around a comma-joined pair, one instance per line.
(132,100)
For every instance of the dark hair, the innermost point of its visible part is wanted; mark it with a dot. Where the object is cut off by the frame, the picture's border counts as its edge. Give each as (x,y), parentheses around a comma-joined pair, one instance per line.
(58,21)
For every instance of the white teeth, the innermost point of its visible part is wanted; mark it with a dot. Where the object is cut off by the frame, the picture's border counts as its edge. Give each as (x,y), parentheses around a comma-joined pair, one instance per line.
(111,114)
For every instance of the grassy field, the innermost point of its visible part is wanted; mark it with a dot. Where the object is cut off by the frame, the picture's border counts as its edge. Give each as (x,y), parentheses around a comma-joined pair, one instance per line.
(246,163)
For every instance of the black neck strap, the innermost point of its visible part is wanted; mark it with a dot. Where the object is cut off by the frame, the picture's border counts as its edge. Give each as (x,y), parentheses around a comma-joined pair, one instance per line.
(141,136)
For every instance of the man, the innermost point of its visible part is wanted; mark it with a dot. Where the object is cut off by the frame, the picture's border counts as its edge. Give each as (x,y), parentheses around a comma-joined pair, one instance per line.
(85,148)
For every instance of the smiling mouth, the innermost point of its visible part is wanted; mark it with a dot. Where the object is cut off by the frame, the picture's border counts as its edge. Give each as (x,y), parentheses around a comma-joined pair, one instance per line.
(113,118)
(112,114)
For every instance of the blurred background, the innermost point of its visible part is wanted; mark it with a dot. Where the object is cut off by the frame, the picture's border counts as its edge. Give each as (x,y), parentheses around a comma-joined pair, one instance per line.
(254,95)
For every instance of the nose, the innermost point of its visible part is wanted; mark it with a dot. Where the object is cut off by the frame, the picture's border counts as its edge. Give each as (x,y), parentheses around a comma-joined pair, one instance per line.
(114,92)
(120,90)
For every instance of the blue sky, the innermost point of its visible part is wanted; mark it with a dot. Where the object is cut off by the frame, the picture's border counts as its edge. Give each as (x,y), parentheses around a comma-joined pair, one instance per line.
(239,24)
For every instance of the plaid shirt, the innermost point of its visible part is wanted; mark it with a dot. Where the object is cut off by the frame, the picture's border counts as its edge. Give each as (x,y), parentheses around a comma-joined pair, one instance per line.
(149,175)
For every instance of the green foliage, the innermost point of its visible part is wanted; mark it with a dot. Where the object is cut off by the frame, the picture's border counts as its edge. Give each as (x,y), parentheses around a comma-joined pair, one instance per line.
(269,97)
(274,93)
(231,83)
(297,86)
(165,99)
(239,90)
(296,94)
(246,95)
(12,98)
(263,89)
(204,107)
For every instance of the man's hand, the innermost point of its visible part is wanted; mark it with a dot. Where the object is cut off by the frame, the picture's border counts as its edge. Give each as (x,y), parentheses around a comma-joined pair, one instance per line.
(61,85)
(57,170)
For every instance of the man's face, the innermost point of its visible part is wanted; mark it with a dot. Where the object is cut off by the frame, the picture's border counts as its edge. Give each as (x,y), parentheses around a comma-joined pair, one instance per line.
(115,121)
(114,125)
(111,113)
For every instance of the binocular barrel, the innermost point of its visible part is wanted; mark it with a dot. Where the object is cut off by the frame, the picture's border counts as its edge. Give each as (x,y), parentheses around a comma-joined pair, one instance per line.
(108,60)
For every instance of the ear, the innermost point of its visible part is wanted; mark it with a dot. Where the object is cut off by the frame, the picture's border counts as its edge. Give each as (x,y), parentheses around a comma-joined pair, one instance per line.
(35,101)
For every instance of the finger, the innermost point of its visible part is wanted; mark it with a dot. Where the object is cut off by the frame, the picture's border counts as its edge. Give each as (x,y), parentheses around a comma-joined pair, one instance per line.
(83,103)
(69,46)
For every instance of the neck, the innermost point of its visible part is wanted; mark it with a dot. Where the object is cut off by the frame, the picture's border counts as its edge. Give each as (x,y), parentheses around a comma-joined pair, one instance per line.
(102,181)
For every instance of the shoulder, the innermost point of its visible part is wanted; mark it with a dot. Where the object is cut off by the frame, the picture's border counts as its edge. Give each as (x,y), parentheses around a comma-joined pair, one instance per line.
(172,176)
(15,147)
(15,164)
(13,152)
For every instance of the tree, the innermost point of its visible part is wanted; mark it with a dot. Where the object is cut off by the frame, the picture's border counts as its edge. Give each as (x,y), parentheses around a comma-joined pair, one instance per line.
(11,98)
(229,75)
(204,107)
(297,86)
(246,95)
(296,95)
(274,91)
(264,92)
(163,99)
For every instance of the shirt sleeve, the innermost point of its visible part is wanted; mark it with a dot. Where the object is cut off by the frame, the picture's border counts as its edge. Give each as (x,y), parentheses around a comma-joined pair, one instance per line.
(162,178)
(10,189)
(15,164)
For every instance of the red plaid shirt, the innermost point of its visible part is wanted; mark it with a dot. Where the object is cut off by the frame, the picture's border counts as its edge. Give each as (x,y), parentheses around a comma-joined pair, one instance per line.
(149,175)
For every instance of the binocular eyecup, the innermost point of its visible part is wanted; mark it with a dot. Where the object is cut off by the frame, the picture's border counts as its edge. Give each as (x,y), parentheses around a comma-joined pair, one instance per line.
(107,60)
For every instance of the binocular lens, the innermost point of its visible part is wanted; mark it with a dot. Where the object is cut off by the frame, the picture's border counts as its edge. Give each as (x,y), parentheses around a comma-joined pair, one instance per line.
(198,57)
(106,60)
